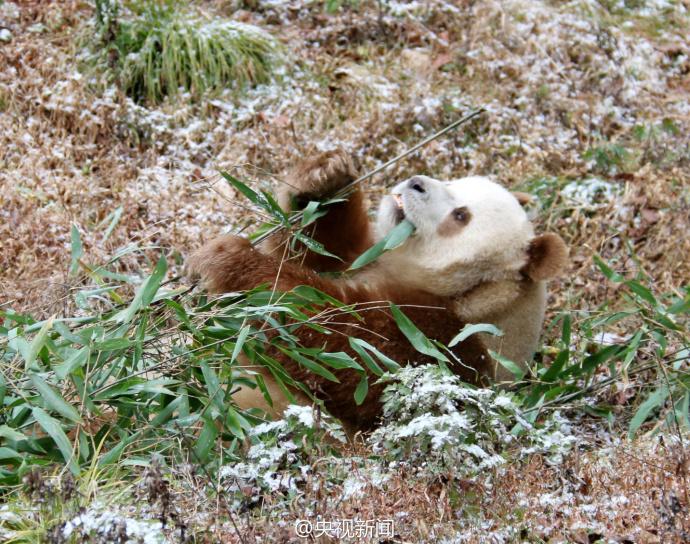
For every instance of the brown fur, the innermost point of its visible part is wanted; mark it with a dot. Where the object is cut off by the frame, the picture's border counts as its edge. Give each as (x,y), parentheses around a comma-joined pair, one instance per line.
(487,298)
(547,257)
(515,306)
(523,198)
(451,225)
(345,231)
(230,263)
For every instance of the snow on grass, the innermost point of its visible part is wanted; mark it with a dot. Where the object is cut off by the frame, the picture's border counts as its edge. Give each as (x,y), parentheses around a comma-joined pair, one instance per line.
(112,526)
(279,459)
(591,192)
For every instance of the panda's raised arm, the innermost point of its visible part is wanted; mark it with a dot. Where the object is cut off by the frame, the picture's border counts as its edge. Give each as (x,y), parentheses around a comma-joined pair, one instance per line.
(345,230)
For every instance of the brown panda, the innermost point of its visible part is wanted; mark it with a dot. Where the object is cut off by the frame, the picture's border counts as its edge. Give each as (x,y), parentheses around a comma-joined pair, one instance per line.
(473,242)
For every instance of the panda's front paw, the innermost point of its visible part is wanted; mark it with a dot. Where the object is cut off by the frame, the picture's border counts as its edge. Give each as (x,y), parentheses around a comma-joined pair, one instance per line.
(319,177)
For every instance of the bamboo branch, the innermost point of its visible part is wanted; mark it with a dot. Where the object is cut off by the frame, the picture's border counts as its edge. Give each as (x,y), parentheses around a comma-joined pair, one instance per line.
(344,191)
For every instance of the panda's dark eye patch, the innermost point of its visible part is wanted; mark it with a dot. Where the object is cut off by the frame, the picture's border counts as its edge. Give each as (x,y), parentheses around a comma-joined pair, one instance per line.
(455,221)
(462,215)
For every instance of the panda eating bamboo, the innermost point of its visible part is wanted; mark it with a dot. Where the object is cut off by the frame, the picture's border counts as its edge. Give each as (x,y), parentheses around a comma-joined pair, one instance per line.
(474,258)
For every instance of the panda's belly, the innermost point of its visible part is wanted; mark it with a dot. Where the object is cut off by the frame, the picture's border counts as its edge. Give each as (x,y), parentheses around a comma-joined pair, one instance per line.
(521,324)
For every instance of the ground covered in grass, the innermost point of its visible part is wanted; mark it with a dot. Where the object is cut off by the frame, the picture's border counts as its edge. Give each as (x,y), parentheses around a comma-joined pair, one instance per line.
(588,108)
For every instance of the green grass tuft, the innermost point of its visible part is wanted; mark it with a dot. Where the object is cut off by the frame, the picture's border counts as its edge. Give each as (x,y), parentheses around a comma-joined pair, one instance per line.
(159,51)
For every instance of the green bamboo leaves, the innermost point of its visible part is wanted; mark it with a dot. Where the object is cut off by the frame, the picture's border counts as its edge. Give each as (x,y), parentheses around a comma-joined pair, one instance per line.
(144,294)
(420,342)
(395,238)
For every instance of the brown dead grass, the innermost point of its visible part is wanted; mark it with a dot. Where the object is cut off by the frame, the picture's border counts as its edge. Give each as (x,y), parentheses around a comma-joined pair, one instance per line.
(70,157)
(626,493)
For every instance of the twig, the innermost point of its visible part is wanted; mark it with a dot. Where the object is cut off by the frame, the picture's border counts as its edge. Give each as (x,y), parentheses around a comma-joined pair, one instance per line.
(345,190)
(210,480)
(589,389)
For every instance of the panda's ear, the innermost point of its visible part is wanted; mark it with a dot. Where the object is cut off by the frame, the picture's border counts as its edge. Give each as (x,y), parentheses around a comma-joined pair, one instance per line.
(547,257)
(523,198)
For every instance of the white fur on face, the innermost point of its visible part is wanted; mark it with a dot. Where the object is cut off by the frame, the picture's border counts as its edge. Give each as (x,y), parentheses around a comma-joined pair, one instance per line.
(491,245)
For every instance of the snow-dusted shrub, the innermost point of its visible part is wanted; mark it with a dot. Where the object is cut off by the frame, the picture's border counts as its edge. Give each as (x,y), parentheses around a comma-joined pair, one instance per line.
(431,417)
(281,452)
(101,526)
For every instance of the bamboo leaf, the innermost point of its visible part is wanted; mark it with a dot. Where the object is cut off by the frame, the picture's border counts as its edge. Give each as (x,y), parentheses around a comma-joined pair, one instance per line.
(144,294)
(54,429)
(469,330)
(313,245)
(362,390)
(114,454)
(216,394)
(312,212)
(398,235)
(393,239)
(10,434)
(262,199)
(339,360)
(643,292)
(654,400)
(206,440)
(113,344)
(566,331)
(420,342)
(682,306)
(166,413)
(7,454)
(592,362)
(554,371)
(607,271)
(389,363)
(36,345)
(77,251)
(54,400)
(631,351)
(236,423)
(114,217)
(310,365)
(517,372)
(241,338)
(355,344)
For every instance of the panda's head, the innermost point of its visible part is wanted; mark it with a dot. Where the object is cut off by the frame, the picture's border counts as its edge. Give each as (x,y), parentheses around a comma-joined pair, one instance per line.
(468,231)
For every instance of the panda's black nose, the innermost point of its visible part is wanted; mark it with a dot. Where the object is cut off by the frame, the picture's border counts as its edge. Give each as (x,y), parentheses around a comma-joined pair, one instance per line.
(417,184)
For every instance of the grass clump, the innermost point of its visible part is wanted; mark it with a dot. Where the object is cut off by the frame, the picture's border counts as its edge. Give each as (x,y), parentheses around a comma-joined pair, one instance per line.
(155,50)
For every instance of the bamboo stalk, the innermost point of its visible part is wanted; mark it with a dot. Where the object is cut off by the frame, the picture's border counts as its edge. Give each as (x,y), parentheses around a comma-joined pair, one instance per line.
(345,190)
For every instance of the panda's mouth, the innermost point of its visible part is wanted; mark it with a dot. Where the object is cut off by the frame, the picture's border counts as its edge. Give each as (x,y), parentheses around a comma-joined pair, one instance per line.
(399,208)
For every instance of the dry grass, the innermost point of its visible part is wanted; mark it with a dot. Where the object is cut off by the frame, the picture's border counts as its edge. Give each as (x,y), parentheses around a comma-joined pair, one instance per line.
(621,493)
(71,154)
